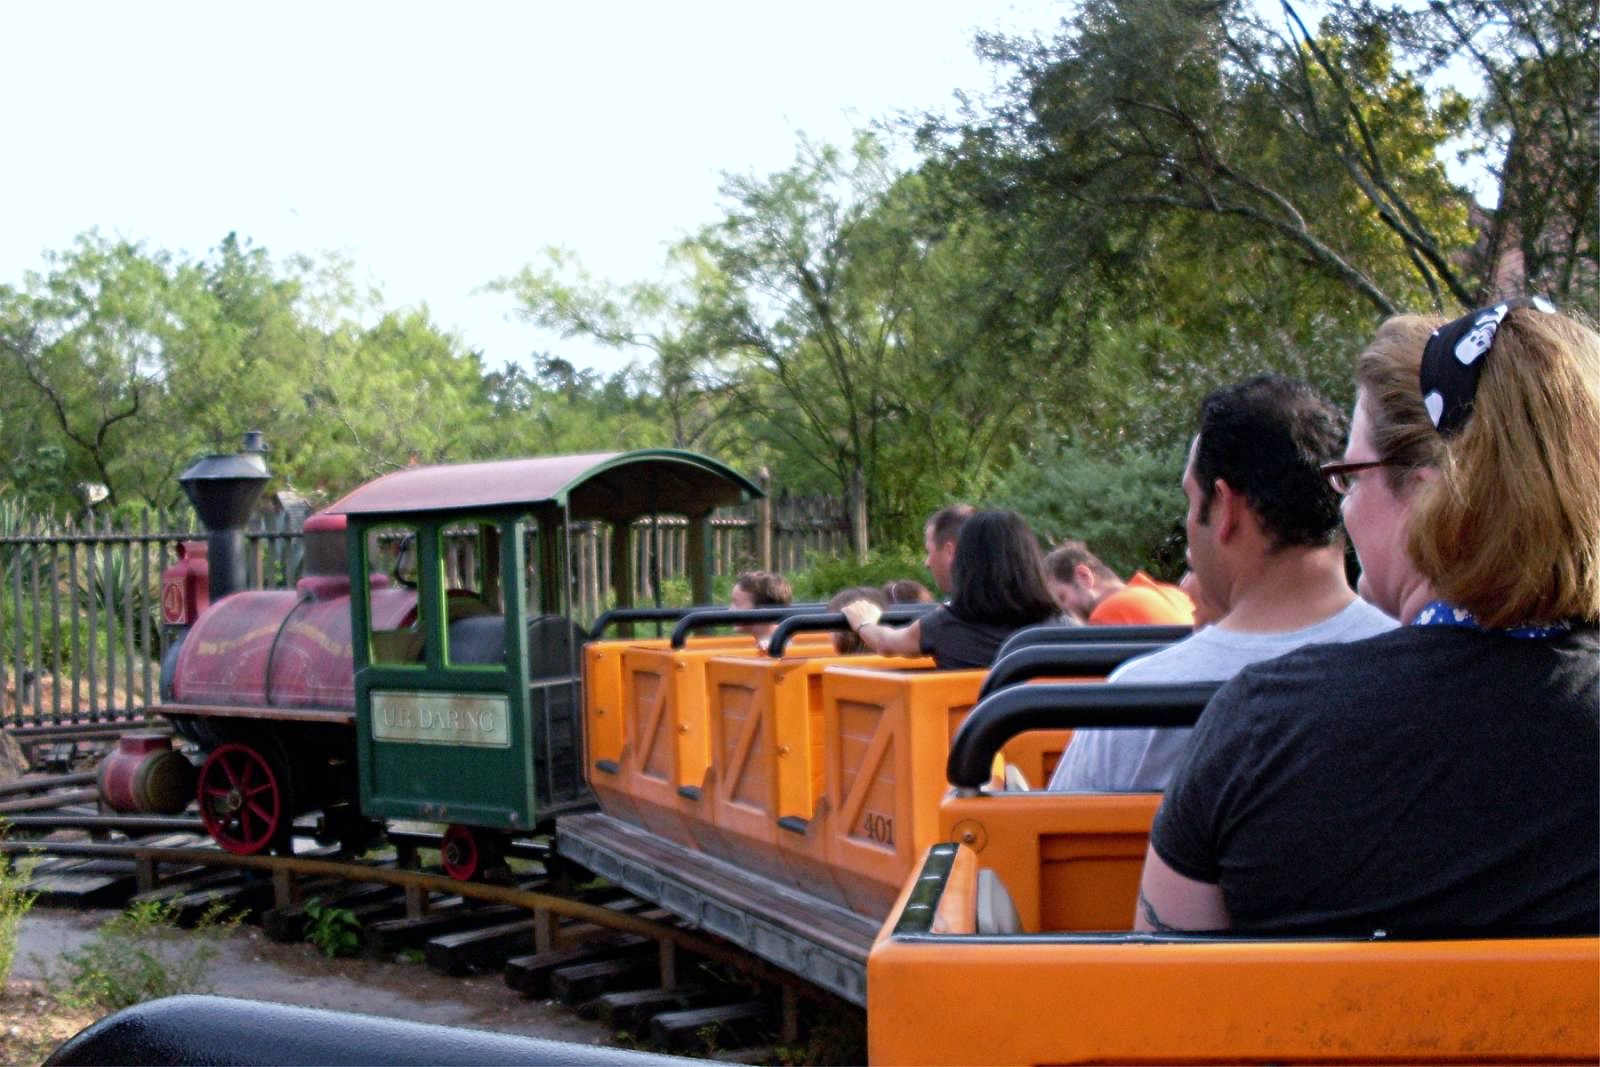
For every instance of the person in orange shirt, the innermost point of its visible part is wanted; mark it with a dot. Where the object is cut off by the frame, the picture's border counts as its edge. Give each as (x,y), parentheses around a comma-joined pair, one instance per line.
(1088,589)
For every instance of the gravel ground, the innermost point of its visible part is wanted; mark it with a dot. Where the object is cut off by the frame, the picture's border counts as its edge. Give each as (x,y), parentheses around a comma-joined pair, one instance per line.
(249,965)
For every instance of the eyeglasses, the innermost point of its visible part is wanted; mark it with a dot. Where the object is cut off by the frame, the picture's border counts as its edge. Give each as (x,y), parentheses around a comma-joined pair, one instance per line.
(1342,475)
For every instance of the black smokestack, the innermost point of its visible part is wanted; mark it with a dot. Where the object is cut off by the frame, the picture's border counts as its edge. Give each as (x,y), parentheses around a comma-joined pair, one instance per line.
(223,490)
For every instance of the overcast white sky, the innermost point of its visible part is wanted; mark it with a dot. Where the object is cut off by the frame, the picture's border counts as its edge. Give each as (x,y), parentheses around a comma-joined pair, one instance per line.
(440,145)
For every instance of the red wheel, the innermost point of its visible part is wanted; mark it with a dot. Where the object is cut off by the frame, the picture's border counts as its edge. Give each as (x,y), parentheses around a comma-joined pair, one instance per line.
(466,852)
(243,800)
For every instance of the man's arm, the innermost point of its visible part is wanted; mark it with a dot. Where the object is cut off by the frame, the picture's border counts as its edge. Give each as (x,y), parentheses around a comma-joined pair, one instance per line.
(863,617)
(1168,901)
(890,641)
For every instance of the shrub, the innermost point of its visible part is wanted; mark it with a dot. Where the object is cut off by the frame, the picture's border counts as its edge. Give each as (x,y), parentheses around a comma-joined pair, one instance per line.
(15,902)
(1128,507)
(335,931)
(822,577)
(141,955)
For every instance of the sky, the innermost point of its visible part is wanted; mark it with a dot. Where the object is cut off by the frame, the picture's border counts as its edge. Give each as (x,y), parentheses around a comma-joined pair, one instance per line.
(440,146)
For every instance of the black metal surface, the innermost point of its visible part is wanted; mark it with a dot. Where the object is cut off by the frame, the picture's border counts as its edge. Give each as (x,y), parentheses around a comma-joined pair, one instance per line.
(1057,634)
(220,1030)
(1010,712)
(618,616)
(706,618)
(835,622)
(1055,661)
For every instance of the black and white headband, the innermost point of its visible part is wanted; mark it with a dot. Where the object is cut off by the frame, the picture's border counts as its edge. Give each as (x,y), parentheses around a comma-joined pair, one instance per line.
(1453,361)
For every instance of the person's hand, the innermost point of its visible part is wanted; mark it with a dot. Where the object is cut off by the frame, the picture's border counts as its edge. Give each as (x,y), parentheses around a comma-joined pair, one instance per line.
(859,613)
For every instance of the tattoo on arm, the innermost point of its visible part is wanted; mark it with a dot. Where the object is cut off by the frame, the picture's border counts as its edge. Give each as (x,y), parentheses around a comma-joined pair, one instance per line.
(1155,921)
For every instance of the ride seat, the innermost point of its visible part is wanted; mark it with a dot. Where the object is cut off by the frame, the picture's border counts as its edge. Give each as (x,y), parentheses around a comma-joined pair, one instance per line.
(481,639)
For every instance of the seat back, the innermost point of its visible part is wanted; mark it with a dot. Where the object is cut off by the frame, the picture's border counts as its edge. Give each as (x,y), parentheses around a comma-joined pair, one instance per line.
(1071,861)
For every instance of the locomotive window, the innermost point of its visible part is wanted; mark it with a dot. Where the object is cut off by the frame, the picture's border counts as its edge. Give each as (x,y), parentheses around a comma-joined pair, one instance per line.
(474,594)
(391,560)
(532,584)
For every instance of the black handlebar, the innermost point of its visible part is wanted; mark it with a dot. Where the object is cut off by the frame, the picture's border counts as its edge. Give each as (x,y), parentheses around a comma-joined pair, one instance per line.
(705,618)
(623,615)
(1057,634)
(1021,708)
(1045,661)
(835,622)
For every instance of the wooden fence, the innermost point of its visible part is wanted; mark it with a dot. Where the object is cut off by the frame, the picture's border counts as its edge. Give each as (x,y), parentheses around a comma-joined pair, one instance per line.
(81,637)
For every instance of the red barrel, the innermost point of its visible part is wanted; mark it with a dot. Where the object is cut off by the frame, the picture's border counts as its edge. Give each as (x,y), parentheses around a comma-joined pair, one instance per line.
(146,775)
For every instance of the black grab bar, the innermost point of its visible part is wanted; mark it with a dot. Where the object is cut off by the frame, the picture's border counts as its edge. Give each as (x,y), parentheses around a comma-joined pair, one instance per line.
(705,618)
(835,622)
(1053,661)
(618,616)
(999,718)
(1057,634)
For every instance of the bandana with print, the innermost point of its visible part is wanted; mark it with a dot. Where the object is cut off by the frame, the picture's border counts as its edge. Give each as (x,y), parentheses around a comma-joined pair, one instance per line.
(1453,361)
(1444,613)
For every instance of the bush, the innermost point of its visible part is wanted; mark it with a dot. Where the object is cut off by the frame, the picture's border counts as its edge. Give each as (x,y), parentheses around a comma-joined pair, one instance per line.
(141,955)
(1129,507)
(822,577)
(15,902)
(335,931)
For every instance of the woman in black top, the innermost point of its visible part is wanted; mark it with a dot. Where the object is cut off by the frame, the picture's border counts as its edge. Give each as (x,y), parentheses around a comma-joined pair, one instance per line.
(998,574)
(1444,776)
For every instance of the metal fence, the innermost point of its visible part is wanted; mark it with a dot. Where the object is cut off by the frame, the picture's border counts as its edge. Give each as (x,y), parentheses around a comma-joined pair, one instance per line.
(81,637)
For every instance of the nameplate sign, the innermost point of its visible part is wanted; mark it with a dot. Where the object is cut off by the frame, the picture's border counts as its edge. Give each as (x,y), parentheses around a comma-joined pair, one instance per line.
(476,720)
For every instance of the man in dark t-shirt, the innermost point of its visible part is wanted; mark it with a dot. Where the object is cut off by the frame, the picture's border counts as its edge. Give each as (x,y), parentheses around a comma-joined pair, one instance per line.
(956,644)
(1426,780)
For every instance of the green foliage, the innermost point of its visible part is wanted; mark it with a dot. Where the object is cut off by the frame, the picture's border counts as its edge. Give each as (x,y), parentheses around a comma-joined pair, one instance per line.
(335,931)
(822,577)
(141,955)
(1129,507)
(15,902)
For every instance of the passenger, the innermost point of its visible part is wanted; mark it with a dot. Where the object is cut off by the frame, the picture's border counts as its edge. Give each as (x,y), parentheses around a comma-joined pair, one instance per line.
(760,589)
(939,537)
(1446,775)
(907,591)
(999,589)
(848,643)
(1265,548)
(1091,592)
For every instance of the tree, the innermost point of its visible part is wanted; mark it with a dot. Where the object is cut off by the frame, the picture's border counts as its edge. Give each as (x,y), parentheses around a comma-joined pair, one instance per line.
(1313,144)
(1535,121)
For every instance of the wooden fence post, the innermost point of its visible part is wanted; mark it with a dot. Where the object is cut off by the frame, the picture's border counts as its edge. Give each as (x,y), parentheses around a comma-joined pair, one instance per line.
(858,514)
(764,520)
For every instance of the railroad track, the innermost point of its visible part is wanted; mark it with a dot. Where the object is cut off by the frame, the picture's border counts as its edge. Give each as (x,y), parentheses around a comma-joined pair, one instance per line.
(553,933)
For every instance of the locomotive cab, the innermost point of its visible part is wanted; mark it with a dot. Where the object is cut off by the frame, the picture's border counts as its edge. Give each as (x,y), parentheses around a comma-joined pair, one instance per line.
(469,712)
(427,666)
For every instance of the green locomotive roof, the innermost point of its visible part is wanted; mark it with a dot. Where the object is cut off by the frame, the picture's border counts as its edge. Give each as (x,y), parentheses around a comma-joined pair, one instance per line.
(610,486)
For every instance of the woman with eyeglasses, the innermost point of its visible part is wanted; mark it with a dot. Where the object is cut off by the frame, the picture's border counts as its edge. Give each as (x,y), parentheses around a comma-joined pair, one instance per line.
(1443,777)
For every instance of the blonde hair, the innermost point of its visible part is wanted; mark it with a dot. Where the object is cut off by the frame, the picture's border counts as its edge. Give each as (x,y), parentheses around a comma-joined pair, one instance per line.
(1510,527)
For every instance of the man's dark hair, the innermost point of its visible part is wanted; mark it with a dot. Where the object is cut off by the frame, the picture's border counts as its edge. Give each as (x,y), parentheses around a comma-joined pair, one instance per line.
(767,590)
(1266,437)
(1064,560)
(946,523)
(998,572)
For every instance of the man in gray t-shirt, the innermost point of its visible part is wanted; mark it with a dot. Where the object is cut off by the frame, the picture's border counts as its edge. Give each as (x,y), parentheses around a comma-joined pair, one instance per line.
(1141,760)
(1266,550)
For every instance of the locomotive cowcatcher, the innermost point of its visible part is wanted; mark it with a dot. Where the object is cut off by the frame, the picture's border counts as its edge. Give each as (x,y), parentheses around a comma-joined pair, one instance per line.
(426,667)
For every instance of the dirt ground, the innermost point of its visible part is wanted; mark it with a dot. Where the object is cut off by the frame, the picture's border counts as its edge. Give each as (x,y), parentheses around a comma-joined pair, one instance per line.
(33,1021)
